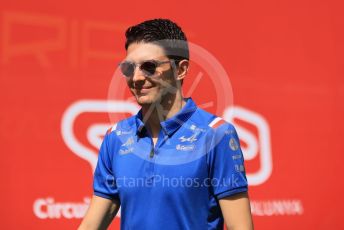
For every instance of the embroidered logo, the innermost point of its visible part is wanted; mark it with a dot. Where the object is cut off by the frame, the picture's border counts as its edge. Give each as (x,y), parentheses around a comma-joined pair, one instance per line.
(188,139)
(185,147)
(126,151)
(129,142)
(233,144)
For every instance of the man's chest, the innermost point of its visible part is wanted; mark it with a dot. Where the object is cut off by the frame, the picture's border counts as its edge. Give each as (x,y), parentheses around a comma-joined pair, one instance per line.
(173,165)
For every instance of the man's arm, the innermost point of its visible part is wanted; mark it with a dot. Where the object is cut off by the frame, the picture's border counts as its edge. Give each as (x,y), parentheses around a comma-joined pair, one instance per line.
(237,212)
(99,214)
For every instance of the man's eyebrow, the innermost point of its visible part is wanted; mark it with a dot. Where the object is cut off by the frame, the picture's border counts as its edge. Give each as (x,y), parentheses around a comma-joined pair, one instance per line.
(147,59)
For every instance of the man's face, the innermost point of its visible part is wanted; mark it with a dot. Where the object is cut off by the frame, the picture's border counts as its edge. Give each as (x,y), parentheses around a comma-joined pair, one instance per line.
(150,89)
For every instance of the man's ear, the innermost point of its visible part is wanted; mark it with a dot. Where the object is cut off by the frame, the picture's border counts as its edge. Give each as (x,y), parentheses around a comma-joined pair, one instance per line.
(182,69)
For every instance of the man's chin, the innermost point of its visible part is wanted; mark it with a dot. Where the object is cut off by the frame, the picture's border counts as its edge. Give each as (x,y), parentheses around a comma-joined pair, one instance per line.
(146,100)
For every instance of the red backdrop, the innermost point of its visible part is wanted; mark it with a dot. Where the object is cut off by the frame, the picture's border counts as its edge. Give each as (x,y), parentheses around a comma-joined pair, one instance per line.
(284,62)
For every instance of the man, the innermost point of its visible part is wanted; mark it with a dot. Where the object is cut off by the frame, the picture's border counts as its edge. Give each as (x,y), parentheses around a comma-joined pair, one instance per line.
(173,165)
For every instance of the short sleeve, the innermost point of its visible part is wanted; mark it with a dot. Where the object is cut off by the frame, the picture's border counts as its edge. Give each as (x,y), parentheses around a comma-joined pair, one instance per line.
(104,182)
(226,163)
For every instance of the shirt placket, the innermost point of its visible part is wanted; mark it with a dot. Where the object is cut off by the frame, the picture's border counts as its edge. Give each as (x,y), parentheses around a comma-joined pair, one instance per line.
(154,151)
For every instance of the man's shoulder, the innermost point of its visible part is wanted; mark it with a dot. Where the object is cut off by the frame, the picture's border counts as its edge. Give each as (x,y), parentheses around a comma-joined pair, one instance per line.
(123,126)
(210,121)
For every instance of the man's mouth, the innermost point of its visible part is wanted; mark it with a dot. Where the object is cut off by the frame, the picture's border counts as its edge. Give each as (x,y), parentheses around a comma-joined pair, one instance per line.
(143,89)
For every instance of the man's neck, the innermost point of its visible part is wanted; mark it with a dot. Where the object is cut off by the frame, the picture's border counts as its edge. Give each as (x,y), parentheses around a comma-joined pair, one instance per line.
(161,111)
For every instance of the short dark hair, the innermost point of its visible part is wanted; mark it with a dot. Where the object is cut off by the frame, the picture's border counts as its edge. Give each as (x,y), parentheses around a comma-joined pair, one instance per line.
(163,32)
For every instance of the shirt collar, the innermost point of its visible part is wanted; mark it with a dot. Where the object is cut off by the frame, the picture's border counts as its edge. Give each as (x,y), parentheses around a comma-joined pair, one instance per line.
(172,124)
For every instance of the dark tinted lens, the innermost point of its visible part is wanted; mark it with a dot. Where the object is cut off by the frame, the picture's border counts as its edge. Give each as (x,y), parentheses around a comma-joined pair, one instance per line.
(127,69)
(148,67)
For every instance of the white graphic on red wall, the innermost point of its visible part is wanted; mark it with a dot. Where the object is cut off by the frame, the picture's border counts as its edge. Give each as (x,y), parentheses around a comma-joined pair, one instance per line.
(94,132)
(256,146)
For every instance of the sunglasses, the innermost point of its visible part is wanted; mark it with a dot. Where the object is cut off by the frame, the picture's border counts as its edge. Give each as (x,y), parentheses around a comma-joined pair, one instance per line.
(148,68)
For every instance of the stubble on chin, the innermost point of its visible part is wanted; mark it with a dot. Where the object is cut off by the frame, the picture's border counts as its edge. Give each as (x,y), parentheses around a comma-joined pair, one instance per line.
(148,100)
(143,100)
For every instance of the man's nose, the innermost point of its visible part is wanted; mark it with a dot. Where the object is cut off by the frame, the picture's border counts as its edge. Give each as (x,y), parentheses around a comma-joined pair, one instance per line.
(138,75)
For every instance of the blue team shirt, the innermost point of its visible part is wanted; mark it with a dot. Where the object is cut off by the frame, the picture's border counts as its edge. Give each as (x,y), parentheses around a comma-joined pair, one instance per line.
(177,183)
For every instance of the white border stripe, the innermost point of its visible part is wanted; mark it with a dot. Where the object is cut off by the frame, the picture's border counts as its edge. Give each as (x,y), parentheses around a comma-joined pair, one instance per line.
(114,127)
(140,128)
(216,120)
